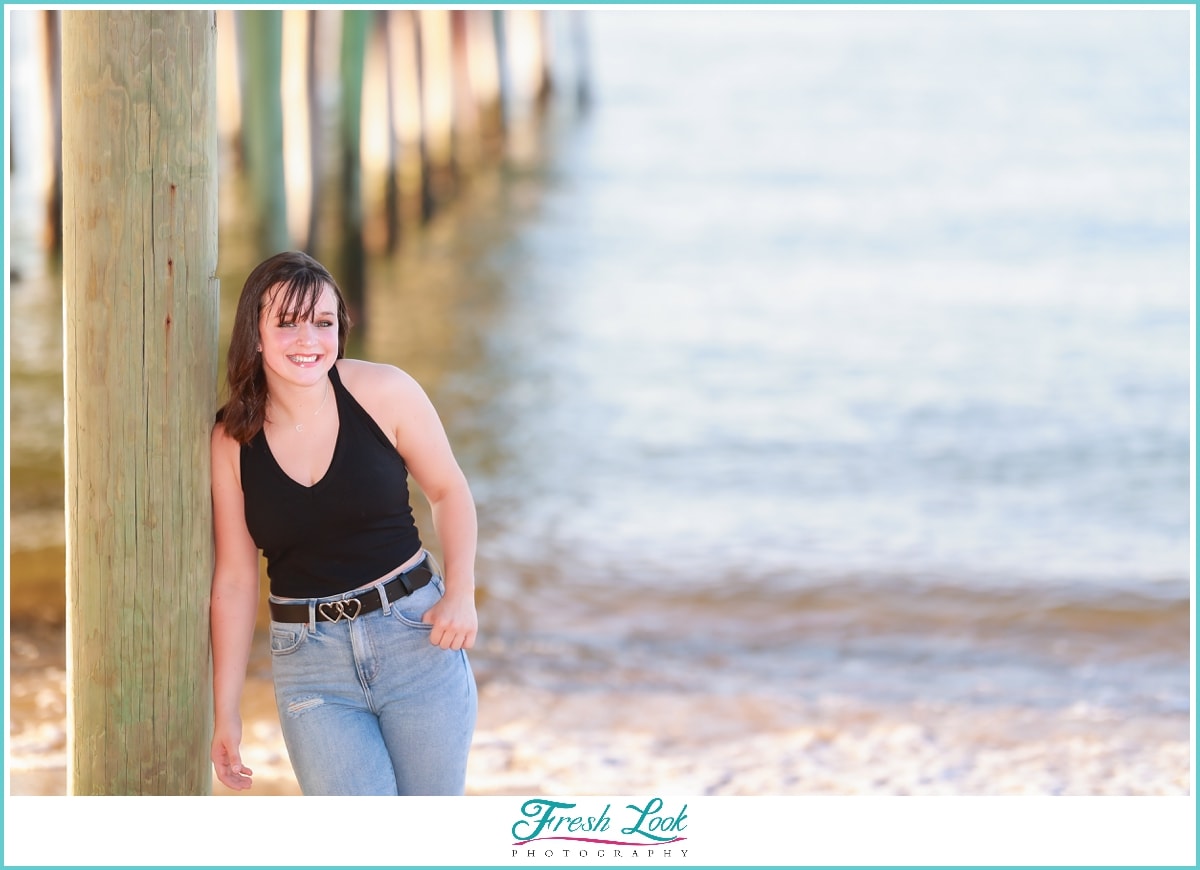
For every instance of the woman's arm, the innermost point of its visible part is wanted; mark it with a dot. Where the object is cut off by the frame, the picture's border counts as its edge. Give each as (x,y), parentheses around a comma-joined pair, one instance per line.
(422,442)
(402,408)
(233,609)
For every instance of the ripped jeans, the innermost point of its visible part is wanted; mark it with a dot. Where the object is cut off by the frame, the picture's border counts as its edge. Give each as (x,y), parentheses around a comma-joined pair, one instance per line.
(369,706)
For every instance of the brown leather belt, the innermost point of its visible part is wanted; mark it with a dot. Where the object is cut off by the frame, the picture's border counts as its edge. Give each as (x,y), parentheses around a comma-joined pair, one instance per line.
(395,587)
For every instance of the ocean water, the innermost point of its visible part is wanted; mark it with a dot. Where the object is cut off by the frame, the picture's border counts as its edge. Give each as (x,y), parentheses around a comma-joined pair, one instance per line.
(849,351)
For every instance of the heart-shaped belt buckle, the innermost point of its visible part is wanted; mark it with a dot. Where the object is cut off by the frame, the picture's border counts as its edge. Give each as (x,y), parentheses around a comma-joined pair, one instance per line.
(334,611)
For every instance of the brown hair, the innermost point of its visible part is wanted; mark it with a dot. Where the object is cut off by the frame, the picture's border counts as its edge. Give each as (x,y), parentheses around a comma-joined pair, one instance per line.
(300,280)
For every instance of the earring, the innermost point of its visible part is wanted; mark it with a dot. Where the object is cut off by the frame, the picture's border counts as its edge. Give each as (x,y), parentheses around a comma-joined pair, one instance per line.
(258,349)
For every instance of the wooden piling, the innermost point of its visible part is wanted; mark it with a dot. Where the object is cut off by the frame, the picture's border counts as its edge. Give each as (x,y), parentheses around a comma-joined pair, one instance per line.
(545,86)
(503,69)
(418,48)
(352,276)
(465,146)
(391,181)
(54,78)
(140,346)
(583,73)
(260,37)
(485,79)
(297,126)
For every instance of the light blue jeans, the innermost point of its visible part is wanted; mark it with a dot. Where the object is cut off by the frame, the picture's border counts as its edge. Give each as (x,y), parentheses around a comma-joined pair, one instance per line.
(369,706)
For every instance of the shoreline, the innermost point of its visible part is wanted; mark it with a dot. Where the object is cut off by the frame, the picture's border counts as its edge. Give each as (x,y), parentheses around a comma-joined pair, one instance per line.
(639,740)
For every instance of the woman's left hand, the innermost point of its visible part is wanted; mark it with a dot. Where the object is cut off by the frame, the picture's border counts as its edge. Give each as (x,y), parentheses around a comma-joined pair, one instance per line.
(454,621)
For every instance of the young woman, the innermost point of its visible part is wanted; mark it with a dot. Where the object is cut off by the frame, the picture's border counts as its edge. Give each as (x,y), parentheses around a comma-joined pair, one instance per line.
(310,461)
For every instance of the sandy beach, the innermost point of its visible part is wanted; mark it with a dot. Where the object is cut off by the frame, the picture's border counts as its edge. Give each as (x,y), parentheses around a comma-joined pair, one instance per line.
(641,739)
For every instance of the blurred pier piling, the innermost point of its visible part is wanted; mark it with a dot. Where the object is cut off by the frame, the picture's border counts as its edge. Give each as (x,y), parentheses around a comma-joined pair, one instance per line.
(343,129)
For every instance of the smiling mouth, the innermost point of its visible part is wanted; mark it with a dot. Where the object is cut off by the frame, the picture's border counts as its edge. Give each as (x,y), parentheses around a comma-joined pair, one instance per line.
(309,358)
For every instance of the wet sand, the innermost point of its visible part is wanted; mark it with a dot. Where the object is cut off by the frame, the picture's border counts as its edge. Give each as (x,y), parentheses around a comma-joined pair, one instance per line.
(639,739)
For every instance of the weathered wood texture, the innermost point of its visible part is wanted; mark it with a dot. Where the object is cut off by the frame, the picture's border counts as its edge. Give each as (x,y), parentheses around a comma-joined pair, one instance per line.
(140,343)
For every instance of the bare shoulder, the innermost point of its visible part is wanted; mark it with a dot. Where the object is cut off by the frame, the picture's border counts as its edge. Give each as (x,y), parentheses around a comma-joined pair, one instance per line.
(389,394)
(376,381)
(371,375)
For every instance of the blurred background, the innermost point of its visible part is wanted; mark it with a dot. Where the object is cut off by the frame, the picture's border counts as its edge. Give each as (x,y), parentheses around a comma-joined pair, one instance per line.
(822,377)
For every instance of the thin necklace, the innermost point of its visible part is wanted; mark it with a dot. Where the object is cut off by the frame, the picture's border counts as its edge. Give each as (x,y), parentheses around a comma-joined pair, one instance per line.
(300,426)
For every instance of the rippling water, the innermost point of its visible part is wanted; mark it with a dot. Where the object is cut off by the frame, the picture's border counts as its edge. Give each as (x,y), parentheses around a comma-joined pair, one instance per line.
(852,338)
(842,352)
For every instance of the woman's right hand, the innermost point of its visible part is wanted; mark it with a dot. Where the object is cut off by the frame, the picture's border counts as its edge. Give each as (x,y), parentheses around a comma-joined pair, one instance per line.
(227,759)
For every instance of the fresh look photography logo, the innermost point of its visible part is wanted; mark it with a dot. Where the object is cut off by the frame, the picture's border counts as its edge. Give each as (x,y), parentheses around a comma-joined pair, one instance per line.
(556,829)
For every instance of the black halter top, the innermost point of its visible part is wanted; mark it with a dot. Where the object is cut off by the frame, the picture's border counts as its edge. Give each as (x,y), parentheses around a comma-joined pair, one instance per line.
(350,527)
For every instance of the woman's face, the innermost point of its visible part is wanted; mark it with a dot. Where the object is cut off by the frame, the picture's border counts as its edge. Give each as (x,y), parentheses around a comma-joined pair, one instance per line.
(296,349)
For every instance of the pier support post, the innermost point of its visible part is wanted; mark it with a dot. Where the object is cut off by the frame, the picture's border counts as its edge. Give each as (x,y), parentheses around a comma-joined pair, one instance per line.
(260,34)
(140,345)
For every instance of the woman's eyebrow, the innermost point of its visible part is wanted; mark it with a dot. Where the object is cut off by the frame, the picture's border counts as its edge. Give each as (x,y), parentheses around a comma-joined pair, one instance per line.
(298,314)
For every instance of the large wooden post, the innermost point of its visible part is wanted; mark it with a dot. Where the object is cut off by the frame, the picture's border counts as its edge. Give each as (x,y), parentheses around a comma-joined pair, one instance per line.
(140,344)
